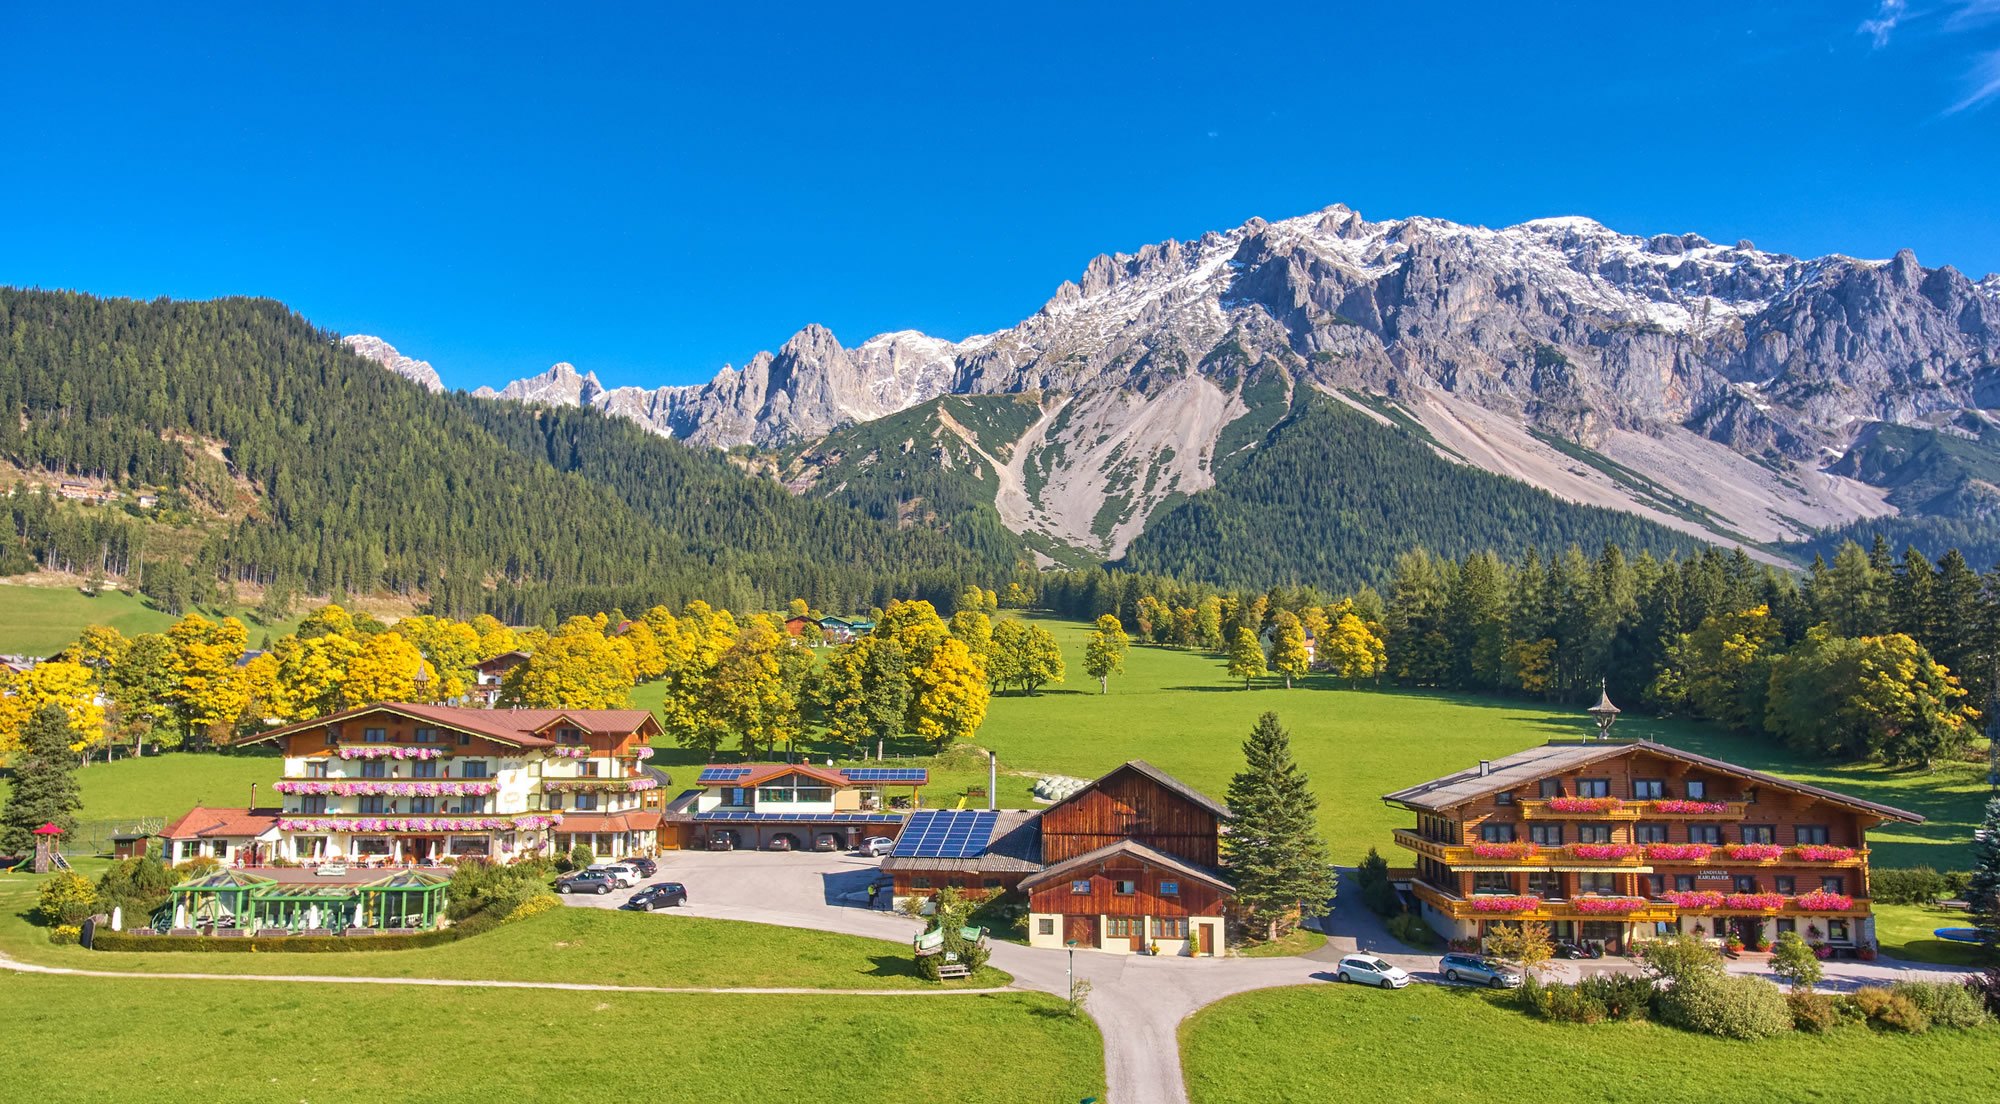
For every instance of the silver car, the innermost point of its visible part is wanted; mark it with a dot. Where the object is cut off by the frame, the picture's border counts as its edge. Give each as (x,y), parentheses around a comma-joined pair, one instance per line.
(1476,970)
(1366,969)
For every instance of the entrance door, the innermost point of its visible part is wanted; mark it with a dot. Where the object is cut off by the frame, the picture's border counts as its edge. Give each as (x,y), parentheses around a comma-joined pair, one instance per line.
(1080,930)
(1201,939)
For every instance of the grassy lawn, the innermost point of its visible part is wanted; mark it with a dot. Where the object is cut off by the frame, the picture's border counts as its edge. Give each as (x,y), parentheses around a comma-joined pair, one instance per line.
(1179,711)
(1906,931)
(170,784)
(566,944)
(1298,941)
(42,620)
(1436,1045)
(265,1042)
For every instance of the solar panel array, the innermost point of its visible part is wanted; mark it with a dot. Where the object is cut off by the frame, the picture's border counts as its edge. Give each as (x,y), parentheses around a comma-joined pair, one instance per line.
(722,774)
(741,816)
(886,774)
(946,834)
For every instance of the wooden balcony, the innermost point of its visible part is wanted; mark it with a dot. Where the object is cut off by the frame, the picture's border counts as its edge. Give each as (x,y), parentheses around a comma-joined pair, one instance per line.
(1539,810)
(1471,908)
(1790,857)
(1731,810)
(1539,858)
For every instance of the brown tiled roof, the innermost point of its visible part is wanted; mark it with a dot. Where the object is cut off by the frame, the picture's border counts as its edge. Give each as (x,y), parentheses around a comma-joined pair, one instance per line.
(203,823)
(1559,756)
(631,820)
(1151,856)
(521,727)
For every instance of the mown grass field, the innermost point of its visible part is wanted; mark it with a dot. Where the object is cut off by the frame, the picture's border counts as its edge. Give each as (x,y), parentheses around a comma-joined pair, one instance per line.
(207,1042)
(1433,1045)
(43,620)
(1910,931)
(168,785)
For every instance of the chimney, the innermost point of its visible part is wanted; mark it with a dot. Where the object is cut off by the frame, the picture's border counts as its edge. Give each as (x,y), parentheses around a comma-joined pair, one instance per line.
(1485,767)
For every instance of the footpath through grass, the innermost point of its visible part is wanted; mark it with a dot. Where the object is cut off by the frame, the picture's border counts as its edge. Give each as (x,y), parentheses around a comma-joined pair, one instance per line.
(1432,1045)
(263,1042)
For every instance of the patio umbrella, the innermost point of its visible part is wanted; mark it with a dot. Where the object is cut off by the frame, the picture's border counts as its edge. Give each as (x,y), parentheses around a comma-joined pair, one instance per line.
(180,914)
(312,916)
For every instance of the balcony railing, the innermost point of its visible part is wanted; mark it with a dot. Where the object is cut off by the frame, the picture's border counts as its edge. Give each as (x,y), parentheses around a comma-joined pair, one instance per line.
(1528,856)
(1580,808)
(1702,854)
(1528,907)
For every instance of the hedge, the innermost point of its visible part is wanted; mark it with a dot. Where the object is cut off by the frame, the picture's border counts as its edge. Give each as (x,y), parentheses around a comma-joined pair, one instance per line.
(294,944)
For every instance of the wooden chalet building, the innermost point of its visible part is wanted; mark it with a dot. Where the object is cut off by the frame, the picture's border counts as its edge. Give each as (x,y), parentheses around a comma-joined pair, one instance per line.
(792,807)
(489,674)
(1613,841)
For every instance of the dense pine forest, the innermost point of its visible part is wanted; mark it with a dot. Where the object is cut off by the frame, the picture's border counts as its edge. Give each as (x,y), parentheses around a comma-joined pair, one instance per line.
(1330,498)
(324,474)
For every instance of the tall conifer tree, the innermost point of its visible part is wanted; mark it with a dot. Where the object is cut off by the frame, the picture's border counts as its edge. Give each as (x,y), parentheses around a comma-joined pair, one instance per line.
(45,789)
(1274,850)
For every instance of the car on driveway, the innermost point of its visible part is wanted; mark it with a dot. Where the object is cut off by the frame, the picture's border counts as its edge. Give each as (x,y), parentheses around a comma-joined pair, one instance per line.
(1366,969)
(624,877)
(1478,970)
(877,845)
(588,881)
(659,895)
(645,866)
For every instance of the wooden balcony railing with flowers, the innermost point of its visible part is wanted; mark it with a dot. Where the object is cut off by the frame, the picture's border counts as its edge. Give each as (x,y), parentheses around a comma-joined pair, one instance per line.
(1527,907)
(1624,856)
(1681,808)
(1813,903)
(1753,854)
(1580,808)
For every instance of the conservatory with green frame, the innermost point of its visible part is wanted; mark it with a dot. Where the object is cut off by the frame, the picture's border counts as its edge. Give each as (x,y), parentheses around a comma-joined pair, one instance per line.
(239,903)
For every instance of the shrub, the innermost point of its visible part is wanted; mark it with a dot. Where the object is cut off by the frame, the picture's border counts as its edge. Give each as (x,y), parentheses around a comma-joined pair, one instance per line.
(1957,883)
(1410,928)
(65,934)
(1623,996)
(533,906)
(1729,1007)
(197,866)
(1565,1004)
(578,857)
(138,885)
(1679,957)
(1889,1010)
(1986,986)
(1919,885)
(293,944)
(65,898)
(1943,1003)
(477,885)
(1795,963)
(1814,1012)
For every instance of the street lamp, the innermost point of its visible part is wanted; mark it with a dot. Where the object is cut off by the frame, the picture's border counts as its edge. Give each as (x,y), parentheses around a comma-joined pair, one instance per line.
(1069,993)
(1605,713)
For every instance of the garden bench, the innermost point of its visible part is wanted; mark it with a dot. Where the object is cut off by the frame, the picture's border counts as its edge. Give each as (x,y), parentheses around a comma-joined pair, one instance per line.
(954,970)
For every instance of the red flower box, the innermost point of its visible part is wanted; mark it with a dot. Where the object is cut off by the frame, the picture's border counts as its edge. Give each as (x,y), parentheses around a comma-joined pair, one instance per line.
(1754,852)
(1696,899)
(1754,902)
(1583,804)
(1602,850)
(1820,900)
(1820,852)
(1679,852)
(1683,805)
(1604,905)
(1506,904)
(1516,850)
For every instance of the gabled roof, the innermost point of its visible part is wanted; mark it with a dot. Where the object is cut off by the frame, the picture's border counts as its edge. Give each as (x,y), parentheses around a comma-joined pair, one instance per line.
(205,823)
(1561,756)
(1129,849)
(519,727)
(1016,847)
(760,773)
(1156,775)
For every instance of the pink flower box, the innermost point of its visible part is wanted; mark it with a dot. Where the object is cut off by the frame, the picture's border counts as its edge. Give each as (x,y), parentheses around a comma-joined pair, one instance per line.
(1684,806)
(390,751)
(1607,905)
(1754,902)
(1679,852)
(1603,850)
(642,753)
(1583,804)
(571,752)
(1754,852)
(1820,900)
(1696,899)
(1506,904)
(420,823)
(1515,850)
(1820,852)
(372,787)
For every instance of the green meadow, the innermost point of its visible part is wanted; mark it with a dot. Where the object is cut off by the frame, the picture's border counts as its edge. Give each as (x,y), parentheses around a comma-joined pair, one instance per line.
(43,620)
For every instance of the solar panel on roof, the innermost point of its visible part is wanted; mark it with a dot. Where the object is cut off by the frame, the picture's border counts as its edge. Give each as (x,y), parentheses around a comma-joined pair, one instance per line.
(886,774)
(946,834)
(722,774)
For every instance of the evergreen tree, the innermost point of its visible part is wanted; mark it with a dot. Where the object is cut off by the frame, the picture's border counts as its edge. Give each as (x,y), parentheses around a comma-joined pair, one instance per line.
(1983,893)
(1273,849)
(45,789)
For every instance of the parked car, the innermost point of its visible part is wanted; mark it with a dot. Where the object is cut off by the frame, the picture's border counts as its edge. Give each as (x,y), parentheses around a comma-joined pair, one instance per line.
(724,840)
(782,843)
(645,866)
(624,877)
(1366,969)
(587,881)
(877,845)
(659,895)
(826,841)
(1477,970)
(1568,949)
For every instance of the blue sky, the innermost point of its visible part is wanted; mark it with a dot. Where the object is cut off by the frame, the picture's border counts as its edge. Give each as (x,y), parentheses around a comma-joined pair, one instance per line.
(650,191)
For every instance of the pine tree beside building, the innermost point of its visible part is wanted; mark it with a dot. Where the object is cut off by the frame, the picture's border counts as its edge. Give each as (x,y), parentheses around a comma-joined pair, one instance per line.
(45,789)
(1983,893)
(1273,850)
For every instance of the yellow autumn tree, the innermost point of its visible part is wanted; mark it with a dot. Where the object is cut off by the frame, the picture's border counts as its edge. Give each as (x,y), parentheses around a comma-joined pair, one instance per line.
(747,695)
(452,647)
(577,668)
(1289,655)
(207,694)
(495,638)
(310,675)
(1352,648)
(693,645)
(389,668)
(69,686)
(949,694)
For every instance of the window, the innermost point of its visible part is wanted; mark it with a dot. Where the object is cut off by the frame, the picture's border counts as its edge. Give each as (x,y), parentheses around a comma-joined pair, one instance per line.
(1545,884)
(1656,885)
(1593,787)
(1593,833)
(1743,883)
(221,849)
(371,804)
(1833,883)
(1045,926)
(1504,797)
(1683,883)
(1697,791)
(316,768)
(587,769)
(427,736)
(555,803)
(1705,833)
(374,768)
(374,735)
(465,739)
(1600,884)
(475,768)
(1551,787)
(1496,833)
(1119,927)
(332,735)
(920,883)
(472,804)
(1546,835)
(424,768)
(1787,924)
(312,803)
(1759,833)
(1809,833)
(1080,887)
(1649,789)
(1170,889)
(1750,796)
(423,805)
(1126,888)
(1836,931)
(1169,927)
(733,795)
(584,802)
(1785,884)
(1649,833)
(568,736)
(1492,882)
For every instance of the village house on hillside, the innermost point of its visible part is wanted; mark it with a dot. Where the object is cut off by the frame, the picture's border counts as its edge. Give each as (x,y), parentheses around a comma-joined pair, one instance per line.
(1612,841)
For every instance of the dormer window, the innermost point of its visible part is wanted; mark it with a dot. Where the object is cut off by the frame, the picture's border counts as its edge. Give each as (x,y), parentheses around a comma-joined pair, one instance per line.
(374,735)
(568,736)
(427,735)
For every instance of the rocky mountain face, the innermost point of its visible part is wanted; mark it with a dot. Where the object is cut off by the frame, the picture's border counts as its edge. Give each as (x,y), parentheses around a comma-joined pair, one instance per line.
(381,352)
(1711,387)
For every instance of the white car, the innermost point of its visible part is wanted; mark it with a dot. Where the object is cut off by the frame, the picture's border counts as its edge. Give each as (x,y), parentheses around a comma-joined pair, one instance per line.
(1366,969)
(625,876)
(877,845)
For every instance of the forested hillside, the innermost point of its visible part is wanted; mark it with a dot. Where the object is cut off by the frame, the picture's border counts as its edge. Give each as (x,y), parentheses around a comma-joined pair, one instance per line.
(361,481)
(1330,497)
